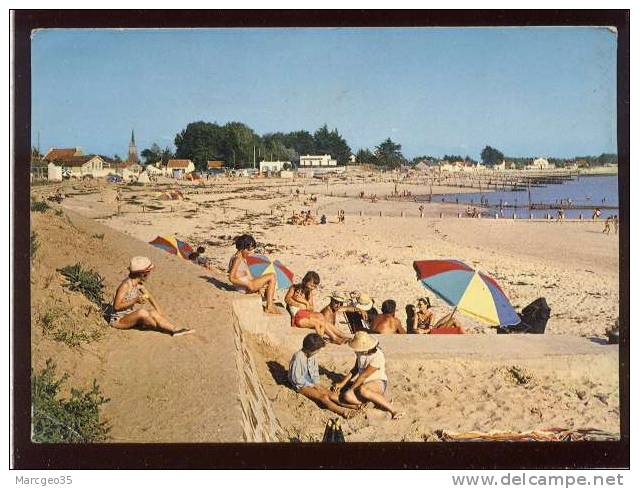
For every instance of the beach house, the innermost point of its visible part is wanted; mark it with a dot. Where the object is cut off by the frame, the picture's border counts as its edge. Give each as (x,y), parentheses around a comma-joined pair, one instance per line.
(540,164)
(314,161)
(59,154)
(215,166)
(273,166)
(179,168)
(80,166)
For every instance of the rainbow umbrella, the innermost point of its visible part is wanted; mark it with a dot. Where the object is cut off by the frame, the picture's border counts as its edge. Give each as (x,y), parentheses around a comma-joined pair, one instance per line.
(260,264)
(468,290)
(172,245)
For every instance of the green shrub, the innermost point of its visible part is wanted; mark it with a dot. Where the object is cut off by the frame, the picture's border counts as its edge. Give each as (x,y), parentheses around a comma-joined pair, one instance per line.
(75,419)
(59,326)
(34,245)
(39,206)
(86,281)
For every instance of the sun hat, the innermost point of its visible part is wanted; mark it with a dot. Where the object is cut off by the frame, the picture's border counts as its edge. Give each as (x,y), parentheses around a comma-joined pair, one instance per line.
(338,296)
(364,303)
(140,264)
(362,341)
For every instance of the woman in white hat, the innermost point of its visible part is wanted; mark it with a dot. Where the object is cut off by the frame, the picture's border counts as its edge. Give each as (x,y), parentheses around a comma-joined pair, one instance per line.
(131,294)
(368,377)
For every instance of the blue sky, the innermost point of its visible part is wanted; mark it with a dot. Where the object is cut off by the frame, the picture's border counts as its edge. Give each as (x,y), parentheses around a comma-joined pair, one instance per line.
(525,91)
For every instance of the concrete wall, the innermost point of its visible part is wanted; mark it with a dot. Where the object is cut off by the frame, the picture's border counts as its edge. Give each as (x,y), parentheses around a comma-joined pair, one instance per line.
(259,421)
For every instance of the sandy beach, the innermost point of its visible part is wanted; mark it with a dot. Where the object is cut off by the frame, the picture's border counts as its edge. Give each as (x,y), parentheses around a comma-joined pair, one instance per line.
(572,264)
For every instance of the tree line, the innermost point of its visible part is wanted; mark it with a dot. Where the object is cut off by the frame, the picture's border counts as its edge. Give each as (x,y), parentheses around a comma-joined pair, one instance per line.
(239,146)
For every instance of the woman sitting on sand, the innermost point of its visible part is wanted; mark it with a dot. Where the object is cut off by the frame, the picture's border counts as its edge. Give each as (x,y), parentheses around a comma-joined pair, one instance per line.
(126,312)
(367,380)
(423,316)
(240,274)
(301,307)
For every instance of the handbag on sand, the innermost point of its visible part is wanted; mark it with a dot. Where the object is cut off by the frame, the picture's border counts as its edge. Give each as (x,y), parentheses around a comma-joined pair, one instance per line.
(333,432)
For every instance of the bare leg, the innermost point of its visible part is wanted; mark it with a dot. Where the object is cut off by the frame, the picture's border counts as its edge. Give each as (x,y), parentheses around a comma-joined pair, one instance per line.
(145,318)
(312,323)
(265,281)
(321,395)
(372,391)
(335,334)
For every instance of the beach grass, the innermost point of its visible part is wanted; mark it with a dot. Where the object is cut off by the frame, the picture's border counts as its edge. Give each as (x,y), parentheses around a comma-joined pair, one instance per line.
(74,419)
(86,281)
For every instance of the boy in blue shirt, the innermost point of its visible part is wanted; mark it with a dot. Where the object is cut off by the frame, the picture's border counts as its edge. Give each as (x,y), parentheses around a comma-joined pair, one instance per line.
(303,375)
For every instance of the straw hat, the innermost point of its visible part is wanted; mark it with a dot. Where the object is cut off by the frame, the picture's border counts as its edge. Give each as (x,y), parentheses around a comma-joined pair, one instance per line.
(364,303)
(362,341)
(140,264)
(338,296)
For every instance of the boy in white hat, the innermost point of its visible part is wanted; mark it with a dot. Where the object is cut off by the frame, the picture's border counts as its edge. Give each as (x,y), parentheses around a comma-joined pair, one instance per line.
(126,312)
(368,376)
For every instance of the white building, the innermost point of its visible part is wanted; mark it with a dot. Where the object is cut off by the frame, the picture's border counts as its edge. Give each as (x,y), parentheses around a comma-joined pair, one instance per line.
(273,166)
(316,161)
(54,173)
(179,168)
(79,166)
(540,164)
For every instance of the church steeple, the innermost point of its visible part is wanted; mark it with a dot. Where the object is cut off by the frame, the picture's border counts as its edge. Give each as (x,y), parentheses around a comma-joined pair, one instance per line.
(133,151)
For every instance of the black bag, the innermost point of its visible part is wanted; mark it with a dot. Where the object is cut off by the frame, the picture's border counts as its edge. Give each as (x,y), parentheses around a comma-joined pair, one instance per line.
(333,432)
(534,318)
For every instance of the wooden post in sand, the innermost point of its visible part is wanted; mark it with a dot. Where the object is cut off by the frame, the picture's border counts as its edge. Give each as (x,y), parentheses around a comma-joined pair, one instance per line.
(441,215)
(118,209)
(531,216)
(360,213)
(380,213)
(143,209)
(496,215)
(402,214)
(581,216)
(459,215)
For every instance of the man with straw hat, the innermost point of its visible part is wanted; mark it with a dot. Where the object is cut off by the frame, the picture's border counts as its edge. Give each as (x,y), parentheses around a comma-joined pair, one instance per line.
(368,377)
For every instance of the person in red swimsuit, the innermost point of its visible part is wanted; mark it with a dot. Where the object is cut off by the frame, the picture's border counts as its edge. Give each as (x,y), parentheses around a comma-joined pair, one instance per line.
(301,307)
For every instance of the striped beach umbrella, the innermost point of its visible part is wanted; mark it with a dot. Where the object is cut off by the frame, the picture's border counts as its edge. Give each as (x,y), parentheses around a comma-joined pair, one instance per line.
(172,245)
(467,290)
(260,265)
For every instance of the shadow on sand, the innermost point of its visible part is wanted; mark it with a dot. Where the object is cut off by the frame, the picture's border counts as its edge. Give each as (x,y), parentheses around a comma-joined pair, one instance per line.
(218,283)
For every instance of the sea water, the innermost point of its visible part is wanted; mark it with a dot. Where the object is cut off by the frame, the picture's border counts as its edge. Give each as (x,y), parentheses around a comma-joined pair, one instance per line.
(592,191)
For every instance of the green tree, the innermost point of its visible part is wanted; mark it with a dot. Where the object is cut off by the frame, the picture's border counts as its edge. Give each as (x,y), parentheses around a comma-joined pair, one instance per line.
(152,154)
(239,140)
(330,142)
(202,141)
(491,156)
(365,156)
(389,154)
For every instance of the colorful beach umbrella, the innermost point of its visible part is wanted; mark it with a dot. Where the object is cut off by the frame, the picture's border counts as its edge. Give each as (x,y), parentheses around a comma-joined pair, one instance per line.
(172,245)
(260,265)
(468,290)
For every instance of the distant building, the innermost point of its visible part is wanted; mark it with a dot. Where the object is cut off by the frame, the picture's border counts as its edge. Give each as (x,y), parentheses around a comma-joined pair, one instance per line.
(79,166)
(273,166)
(133,150)
(55,154)
(178,168)
(352,159)
(215,165)
(316,161)
(422,166)
(540,164)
